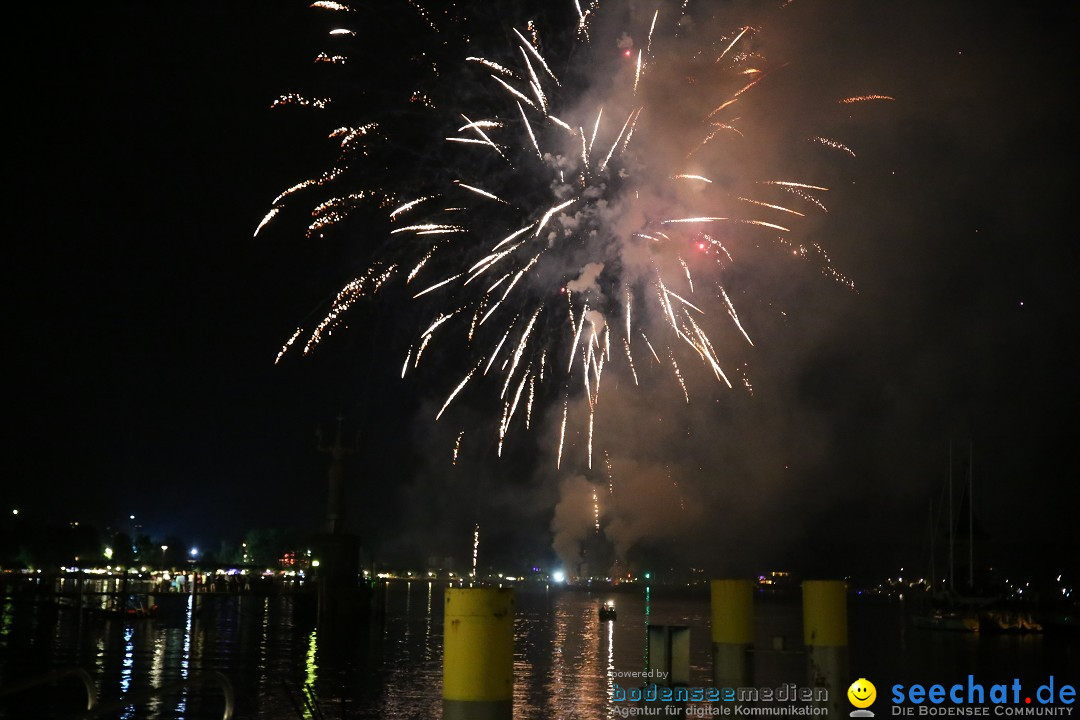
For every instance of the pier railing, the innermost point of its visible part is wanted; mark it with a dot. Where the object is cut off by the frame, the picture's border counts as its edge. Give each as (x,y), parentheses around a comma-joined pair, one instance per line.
(94,710)
(143,697)
(50,678)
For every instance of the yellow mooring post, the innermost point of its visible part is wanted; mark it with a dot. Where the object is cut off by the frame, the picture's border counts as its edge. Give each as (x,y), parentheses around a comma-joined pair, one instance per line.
(825,633)
(478,654)
(732,632)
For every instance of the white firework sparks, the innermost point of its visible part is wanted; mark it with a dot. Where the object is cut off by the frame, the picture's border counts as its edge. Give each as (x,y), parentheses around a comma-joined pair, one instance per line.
(584,227)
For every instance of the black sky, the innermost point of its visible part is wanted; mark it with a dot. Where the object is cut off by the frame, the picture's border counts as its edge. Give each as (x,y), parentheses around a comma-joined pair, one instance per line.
(142,318)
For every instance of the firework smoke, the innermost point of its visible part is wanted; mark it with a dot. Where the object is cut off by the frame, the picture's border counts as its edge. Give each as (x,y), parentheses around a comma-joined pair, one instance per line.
(601,198)
(573,521)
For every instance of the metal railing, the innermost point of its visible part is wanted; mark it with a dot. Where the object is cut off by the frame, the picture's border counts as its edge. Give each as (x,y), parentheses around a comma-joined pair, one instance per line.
(94,710)
(50,678)
(144,696)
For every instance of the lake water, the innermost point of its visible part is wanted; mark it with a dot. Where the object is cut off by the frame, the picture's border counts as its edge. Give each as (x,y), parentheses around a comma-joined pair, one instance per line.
(566,660)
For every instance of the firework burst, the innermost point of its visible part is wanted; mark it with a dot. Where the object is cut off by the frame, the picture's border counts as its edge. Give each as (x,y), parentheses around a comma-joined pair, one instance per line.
(586,215)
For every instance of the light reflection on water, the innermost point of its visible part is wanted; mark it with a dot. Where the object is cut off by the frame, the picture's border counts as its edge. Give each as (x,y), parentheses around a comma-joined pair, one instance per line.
(129,661)
(185,657)
(566,661)
(312,661)
(157,667)
(7,614)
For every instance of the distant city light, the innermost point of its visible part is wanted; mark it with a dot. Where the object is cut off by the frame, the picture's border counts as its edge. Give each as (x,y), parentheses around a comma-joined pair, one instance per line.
(15,511)
(131,517)
(314,563)
(108,553)
(194,552)
(558,576)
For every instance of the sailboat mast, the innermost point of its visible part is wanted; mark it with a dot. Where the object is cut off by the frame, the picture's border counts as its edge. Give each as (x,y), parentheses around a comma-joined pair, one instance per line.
(951,566)
(933,563)
(971,516)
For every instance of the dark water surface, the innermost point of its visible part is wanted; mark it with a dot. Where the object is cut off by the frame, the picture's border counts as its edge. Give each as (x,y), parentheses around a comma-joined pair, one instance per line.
(566,660)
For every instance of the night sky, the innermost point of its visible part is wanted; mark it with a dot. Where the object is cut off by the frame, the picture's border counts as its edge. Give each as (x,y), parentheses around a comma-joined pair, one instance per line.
(142,318)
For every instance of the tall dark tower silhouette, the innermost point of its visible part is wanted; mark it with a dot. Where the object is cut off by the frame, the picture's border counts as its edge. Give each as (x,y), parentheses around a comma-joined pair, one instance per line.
(335,500)
(340,595)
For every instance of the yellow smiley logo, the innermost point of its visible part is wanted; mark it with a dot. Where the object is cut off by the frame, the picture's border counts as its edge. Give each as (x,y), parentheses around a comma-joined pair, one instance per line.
(862,693)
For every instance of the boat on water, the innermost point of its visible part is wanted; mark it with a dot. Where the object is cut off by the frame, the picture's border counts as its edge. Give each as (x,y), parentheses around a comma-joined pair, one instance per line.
(607,611)
(135,606)
(139,607)
(944,607)
(981,607)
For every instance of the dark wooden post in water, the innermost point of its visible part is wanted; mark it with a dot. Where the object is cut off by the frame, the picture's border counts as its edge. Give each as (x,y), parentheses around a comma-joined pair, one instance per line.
(339,603)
